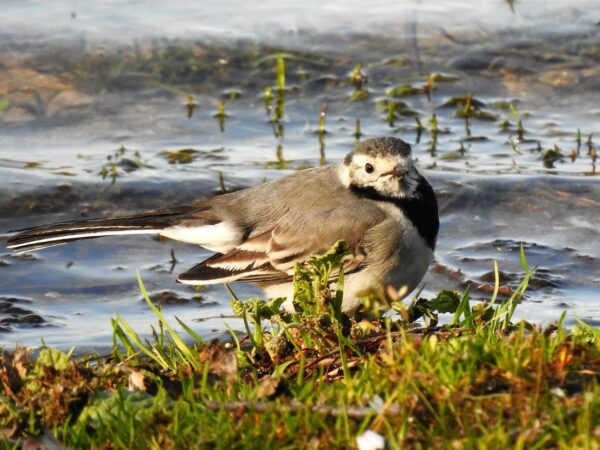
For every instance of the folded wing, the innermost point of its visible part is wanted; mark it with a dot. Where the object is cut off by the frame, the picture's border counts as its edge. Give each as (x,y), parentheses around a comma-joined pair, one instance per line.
(270,257)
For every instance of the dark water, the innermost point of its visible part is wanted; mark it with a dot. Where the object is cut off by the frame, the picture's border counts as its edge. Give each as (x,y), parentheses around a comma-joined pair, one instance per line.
(94,121)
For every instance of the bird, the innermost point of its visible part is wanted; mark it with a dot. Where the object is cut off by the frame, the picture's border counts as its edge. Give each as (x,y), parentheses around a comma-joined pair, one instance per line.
(375,200)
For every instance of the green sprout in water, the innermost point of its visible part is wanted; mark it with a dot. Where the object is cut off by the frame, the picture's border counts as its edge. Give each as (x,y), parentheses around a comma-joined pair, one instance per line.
(322,116)
(268,97)
(302,74)
(279,110)
(191,105)
(280,72)
(280,163)
(357,132)
(278,129)
(393,109)
(221,115)
(222,189)
(419,128)
(358,79)
(322,159)
(518,120)
(232,94)
(514,142)
(434,130)
(551,156)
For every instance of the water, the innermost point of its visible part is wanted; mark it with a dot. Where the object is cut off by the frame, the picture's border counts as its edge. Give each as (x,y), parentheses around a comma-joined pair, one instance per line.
(94,121)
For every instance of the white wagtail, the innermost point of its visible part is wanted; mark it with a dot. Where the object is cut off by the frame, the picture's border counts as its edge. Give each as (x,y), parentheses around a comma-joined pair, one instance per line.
(375,200)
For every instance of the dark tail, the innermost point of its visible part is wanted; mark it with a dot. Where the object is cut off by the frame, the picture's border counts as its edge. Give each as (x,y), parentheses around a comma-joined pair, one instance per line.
(150,222)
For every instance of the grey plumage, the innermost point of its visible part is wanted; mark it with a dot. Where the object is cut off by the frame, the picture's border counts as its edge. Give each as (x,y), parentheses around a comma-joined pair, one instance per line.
(387,215)
(383,146)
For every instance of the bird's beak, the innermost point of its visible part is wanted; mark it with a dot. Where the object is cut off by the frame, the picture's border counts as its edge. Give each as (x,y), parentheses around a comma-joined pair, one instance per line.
(397,172)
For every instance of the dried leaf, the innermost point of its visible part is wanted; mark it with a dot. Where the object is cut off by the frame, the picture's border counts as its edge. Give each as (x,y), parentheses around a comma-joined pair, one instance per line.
(136,381)
(268,386)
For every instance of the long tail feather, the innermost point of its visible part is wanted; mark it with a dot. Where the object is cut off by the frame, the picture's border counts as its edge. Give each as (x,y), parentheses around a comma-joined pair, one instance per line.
(44,236)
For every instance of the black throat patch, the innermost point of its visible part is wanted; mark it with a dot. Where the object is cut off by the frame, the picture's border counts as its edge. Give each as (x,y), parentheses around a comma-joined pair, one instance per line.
(421,210)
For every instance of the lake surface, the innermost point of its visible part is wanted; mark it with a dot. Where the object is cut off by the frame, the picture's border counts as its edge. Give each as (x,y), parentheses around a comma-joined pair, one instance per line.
(114,107)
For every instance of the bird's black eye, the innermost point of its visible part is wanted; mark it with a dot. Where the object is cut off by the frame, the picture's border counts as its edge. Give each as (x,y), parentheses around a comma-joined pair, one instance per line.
(369,168)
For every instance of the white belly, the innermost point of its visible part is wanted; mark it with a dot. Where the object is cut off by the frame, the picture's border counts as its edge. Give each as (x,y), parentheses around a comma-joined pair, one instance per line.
(405,274)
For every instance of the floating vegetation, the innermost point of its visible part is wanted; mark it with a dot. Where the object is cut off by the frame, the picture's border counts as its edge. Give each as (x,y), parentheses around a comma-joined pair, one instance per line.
(358,79)
(109,172)
(394,109)
(460,103)
(65,173)
(551,156)
(359,94)
(207,66)
(440,77)
(451,155)
(405,89)
(117,160)
(182,156)
(232,94)
(469,107)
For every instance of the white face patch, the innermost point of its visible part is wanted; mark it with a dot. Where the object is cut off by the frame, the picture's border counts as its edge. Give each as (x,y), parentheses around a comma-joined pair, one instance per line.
(219,238)
(380,163)
(356,174)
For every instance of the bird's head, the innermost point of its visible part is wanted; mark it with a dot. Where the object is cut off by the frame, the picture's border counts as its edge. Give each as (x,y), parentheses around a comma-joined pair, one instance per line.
(383,166)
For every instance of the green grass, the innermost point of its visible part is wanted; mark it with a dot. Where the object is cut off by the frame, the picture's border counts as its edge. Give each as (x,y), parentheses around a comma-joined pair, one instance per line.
(318,379)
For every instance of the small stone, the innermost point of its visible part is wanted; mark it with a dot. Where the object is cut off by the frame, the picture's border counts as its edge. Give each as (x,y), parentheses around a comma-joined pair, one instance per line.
(168,298)
(370,440)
